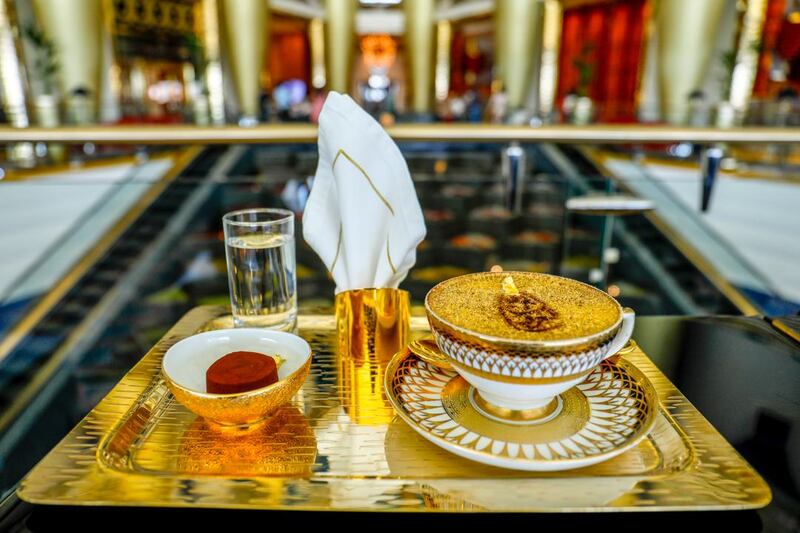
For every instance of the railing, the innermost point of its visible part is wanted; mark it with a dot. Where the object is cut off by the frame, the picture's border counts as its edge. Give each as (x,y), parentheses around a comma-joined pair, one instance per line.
(307,133)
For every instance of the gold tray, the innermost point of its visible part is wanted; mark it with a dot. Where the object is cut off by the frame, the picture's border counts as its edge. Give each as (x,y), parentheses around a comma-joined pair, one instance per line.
(339,446)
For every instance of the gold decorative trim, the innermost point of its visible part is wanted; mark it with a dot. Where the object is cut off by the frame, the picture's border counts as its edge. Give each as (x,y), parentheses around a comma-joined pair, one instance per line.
(381,196)
(363,172)
(389,256)
(14,174)
(518,381)
(786,329)
(338,249)
(740,153)
(515,415)
(510,348)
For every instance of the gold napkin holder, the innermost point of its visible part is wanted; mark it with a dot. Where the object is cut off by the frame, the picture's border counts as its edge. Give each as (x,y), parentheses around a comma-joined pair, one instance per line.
(372,325)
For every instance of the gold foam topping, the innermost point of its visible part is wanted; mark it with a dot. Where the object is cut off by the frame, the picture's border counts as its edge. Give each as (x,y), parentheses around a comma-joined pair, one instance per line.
(523,306)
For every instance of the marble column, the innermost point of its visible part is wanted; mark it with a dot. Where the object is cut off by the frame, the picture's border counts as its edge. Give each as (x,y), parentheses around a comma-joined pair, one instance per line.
(339,43)
(551,42)
(518,42)
(12,77)
(421,45)
(12,87)
(686,38)
(245,31)
(207,14)
(76,28)
(747,53)
(316,41)
(444,44)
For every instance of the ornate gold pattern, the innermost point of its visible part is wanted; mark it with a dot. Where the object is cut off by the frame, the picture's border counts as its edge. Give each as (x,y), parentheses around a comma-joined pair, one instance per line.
(515,379)
(600,418)
(519,366)
(683,463)
(509,348)
(140,16)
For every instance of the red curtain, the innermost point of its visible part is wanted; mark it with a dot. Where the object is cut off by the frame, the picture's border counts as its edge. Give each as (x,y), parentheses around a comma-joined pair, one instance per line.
(769,39)
(466,58)
(289,58)
(608,37)
(458,63)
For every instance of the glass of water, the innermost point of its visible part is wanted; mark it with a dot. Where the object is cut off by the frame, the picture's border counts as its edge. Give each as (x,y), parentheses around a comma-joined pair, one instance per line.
(259,247)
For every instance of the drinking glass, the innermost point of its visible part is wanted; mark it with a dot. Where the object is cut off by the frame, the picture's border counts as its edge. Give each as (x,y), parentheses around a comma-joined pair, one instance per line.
(259,247)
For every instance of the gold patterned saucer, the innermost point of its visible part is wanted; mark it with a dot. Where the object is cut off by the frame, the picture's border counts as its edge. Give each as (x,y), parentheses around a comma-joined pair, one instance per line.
(427,350)
(608,413)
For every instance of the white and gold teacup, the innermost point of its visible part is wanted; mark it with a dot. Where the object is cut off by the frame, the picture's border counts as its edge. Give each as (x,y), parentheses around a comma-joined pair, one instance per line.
(521,376)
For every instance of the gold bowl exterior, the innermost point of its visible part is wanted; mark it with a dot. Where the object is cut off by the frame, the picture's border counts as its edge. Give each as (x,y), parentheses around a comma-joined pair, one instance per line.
(242,408)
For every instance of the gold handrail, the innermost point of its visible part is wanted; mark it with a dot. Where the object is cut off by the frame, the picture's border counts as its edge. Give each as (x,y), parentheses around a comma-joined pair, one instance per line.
(737,297)
(49,300)
(307,133)
(45,170)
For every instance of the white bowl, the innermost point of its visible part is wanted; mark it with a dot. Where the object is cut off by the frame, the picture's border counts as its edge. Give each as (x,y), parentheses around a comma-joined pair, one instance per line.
(185,365)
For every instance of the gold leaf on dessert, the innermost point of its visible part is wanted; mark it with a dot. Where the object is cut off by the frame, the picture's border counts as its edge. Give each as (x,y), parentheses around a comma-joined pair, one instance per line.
(471,303)
(509,287)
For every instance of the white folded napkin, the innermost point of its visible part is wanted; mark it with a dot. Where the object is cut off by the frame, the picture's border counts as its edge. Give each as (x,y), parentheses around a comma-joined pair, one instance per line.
(362,217)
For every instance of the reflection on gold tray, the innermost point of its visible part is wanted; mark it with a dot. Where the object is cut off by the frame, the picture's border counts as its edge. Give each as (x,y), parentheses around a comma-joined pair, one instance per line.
(334,448)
